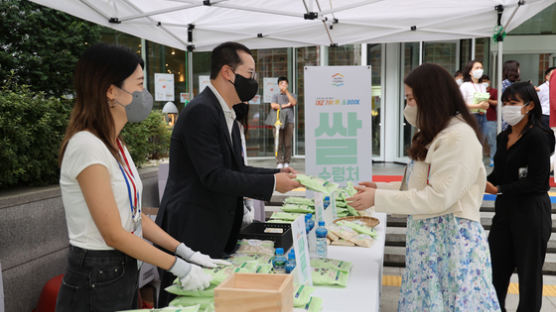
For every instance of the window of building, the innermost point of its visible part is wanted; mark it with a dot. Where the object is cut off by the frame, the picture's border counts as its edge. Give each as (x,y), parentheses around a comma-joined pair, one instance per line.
(374,58)
(543,23)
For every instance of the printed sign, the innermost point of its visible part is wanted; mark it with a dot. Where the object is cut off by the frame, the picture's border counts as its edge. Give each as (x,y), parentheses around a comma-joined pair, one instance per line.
(302,258)
(338,123)
(164,87)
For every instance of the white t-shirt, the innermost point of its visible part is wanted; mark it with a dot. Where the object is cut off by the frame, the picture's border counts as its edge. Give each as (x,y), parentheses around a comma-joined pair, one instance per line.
(83,150)
(468,89)
(544,98)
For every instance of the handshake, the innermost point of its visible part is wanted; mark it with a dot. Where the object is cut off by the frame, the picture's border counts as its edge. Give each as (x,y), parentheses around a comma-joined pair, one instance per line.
(188,268)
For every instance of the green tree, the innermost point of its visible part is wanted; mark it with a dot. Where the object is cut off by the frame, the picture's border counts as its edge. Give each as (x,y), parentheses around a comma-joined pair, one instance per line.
(41,46)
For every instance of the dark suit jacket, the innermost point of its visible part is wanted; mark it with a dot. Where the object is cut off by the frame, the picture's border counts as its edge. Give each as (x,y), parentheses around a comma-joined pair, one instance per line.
(202,204)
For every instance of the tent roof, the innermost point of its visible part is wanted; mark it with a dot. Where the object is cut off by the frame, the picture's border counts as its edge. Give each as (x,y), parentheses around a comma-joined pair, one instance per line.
(282,23)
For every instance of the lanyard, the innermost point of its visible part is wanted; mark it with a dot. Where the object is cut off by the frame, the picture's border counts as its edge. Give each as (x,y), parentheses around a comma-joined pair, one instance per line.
(129,177)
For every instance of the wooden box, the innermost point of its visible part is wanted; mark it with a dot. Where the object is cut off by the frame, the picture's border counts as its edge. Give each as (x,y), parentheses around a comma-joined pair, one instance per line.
(246,292)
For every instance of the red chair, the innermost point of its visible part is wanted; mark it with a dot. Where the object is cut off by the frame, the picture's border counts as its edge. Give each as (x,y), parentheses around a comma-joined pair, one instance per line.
(47,300)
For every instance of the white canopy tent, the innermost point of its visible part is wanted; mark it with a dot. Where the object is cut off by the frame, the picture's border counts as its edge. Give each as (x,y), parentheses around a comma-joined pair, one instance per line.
(259,24)
(200,25)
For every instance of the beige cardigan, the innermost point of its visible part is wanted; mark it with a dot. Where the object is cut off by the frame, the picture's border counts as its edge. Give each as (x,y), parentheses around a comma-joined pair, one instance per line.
(451,179)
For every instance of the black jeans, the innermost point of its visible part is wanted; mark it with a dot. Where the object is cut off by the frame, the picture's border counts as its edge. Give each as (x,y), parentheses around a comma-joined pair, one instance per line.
(103,280)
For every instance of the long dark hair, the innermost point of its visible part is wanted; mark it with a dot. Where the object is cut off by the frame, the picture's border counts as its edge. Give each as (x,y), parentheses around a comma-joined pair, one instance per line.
(467,69)
(510,70)
(525,91)
(100,66)
(438,100)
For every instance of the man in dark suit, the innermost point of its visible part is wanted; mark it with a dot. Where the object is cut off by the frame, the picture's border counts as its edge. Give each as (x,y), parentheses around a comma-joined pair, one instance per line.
(202,204)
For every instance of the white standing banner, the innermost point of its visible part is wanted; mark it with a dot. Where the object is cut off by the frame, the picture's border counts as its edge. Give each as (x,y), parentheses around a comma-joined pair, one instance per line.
(338,123)
(270,87)
(204,81)
(164,87)
(302,259)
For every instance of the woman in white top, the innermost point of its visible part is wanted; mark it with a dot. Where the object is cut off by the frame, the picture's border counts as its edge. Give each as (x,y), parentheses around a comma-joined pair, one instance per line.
(102,191)
(447,256)
(470,88)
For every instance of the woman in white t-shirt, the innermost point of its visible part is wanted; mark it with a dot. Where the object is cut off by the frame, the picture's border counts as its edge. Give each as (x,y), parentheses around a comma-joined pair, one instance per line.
(102,191)
(470,88)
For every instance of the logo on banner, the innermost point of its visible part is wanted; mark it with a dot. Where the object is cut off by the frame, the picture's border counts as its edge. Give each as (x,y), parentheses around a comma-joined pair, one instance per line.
(337,80)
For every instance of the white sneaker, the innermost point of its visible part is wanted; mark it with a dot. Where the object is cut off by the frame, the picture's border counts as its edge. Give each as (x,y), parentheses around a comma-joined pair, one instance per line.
(280,166)
(286,165)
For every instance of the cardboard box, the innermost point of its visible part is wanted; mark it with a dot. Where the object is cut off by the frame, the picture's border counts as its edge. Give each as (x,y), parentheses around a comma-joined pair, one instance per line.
(246,292)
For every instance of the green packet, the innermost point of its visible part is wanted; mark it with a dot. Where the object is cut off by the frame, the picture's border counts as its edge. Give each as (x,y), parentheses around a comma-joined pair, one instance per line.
(278,215)
(297,208)
(239,259)
(327,263)
(359,228)
(202,303)
(480,97)
(329,277)
(317,184)
(352,211)
(179,291)
(302,295)
(314,305)
(194,308)
(299,201)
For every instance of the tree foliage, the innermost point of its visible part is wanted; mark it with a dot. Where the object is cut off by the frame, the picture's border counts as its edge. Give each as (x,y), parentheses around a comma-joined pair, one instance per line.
(41,46)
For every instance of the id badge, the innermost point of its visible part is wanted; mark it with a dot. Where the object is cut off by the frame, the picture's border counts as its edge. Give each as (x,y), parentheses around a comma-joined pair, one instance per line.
(138,231)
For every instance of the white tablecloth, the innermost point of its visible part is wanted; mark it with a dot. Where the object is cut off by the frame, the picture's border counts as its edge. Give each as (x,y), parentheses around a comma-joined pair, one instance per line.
(365,281)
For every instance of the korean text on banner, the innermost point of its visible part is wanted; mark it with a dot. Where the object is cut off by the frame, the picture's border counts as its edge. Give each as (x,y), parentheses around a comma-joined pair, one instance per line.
(338,123)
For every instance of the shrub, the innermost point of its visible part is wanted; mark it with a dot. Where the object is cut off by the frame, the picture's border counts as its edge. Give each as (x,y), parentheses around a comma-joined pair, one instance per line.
(32,126)
(149,139)
(31,130)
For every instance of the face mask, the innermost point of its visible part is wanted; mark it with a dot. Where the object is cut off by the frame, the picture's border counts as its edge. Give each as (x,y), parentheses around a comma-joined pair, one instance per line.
(485,85)
(410,114)
(512,114)
(241,110)
(459,81)
(245,88)
(140,106)
(477,73)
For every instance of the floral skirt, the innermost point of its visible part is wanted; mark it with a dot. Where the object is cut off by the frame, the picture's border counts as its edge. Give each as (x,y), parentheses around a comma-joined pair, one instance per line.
(448,267)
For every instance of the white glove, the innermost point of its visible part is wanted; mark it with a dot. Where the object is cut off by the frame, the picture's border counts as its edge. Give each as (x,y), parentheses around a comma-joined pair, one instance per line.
(197,279)
(188,254)
(206,261)
(248,212)
(191,277)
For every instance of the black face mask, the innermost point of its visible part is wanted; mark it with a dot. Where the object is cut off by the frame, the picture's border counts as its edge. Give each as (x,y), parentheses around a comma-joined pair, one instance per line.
(241,110)
(245,88)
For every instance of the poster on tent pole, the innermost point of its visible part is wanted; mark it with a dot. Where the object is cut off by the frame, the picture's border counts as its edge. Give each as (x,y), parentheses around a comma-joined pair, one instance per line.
(338,123)
(164,87)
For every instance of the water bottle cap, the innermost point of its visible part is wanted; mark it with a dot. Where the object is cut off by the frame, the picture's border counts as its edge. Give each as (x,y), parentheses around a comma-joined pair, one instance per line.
(321,223)
(291,256)
(279,251)
(308,216)
(292,251)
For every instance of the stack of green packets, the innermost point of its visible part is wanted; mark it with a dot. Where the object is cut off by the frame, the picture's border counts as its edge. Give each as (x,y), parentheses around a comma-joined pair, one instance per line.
(194,308)
(330,272)
(294,207)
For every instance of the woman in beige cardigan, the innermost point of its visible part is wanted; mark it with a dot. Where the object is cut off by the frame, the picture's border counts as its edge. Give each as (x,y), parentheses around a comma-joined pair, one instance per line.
(447,256)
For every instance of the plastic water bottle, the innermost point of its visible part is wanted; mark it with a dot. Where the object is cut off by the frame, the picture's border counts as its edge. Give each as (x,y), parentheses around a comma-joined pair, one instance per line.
(322,245)
(290,265)
(279,261)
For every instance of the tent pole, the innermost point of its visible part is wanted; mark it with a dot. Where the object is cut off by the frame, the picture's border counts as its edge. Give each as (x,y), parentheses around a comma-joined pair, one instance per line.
(499,70)
(473,48)
(190,72)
